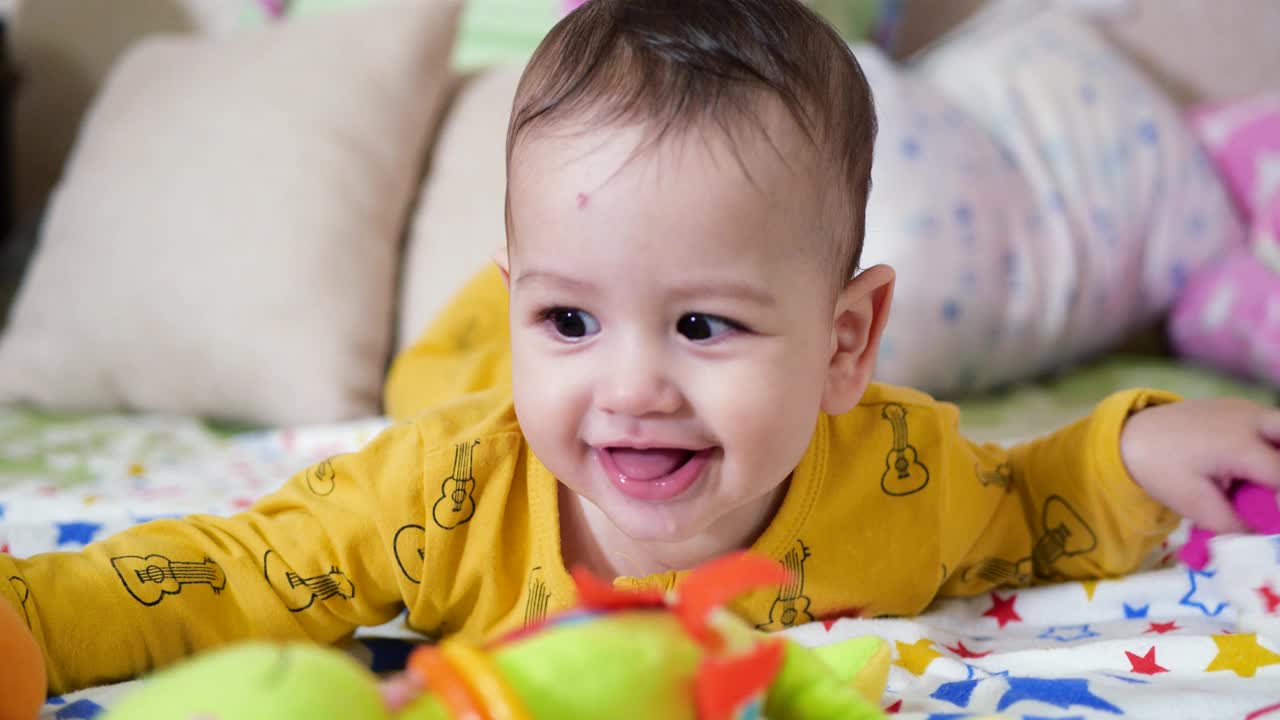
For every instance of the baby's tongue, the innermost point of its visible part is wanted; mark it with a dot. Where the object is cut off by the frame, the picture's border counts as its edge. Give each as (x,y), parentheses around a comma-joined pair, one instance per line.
(648,464)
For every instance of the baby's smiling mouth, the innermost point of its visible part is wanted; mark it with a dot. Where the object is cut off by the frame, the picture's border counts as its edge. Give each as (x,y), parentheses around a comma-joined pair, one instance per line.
(648,463)
(652,473)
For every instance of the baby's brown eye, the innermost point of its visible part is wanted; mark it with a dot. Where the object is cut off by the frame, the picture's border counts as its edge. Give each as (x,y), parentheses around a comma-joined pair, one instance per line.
(571,323)
(699,326)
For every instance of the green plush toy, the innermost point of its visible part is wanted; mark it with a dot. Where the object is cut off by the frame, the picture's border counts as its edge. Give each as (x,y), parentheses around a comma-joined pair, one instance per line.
(259,682)
(625,655)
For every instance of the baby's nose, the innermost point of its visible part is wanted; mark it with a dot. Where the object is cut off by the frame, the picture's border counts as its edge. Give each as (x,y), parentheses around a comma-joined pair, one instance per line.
(638,384)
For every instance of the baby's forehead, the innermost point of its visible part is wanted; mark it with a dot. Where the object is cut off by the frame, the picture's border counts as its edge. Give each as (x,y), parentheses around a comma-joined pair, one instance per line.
(763,152)
(706,194)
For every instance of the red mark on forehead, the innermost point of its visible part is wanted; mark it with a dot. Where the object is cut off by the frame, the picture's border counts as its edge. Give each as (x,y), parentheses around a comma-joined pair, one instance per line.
(583,199)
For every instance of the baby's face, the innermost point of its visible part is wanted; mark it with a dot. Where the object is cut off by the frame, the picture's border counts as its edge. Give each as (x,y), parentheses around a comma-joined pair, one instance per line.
(671,321)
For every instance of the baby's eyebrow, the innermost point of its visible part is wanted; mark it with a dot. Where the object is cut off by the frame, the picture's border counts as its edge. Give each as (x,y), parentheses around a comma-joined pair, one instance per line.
(684,292)
(734,290)
(549,277)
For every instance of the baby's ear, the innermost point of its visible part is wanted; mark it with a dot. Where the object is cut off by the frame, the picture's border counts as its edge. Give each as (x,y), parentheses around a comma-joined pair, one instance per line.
(503,261)
(861,311)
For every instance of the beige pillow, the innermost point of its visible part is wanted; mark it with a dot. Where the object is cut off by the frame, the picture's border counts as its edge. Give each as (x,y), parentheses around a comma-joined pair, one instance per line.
(460,220)
(224,239)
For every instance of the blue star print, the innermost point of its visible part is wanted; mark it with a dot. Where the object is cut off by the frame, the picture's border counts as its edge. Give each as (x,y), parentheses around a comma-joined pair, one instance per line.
(80,710)
(1131,681)
(1068,633)
(1199,604)
(1133,612)
(1,510)
(1062,693)
(1276,541)
(974,669)
(957,693)
(80,533)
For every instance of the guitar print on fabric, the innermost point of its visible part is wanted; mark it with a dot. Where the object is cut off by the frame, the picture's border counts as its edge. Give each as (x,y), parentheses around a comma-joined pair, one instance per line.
(410,548)
(457,501)
(322,478)
(539,598)
(23,592)
(300,593)
(150,578)
(1000,476)
(1065,535)
(791,607)
(904,474)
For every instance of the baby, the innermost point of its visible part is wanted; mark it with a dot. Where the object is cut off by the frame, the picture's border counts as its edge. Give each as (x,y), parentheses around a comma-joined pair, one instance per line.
(672,360)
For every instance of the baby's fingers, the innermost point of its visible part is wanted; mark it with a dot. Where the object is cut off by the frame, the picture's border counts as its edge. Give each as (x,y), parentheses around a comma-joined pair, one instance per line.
(1269,427)
(1209,508)
(1257,462)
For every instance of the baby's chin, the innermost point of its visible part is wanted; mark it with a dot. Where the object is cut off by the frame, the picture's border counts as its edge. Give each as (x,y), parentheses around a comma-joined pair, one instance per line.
(708,523)
(667,521)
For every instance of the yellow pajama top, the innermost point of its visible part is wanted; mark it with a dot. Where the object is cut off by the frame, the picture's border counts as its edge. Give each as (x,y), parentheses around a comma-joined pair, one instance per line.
(448,514)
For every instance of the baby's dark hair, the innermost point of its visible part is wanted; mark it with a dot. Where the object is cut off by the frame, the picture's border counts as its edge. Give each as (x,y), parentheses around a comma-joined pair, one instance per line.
(674,64)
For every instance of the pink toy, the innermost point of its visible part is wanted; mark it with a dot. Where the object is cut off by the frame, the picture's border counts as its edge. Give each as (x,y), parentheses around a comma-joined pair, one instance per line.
(1228,316)
(1257,507)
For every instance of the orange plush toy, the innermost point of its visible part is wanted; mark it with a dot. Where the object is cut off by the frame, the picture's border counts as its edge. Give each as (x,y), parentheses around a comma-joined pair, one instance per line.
(23,687)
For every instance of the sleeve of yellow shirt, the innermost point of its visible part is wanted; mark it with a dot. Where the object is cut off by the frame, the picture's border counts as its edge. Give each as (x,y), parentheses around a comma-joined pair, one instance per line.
(312,561)
(1060,507)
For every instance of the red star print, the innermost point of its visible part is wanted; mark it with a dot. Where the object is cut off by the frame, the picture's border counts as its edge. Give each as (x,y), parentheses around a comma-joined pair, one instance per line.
(1145,664)
(1269,597)
(241,503)
(830,618)
(894,708)
(1260,712)
(965,652)
(1002,609)
(1162,628)
(4,548)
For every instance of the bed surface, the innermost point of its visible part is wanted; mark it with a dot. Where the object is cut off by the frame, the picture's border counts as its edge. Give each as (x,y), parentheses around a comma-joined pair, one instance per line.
(1154,644)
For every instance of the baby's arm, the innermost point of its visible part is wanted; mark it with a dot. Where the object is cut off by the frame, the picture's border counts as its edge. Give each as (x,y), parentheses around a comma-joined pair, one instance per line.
(311,561)
(1061,507)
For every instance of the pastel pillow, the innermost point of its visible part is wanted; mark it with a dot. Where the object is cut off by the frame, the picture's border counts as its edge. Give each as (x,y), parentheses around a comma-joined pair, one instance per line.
(460,218)
(224,239)
(1229,315)
(1040,198)
(1243,138)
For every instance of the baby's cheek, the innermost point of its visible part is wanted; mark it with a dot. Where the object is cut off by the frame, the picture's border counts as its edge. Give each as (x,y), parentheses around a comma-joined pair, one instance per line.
(769,422)
(548,409)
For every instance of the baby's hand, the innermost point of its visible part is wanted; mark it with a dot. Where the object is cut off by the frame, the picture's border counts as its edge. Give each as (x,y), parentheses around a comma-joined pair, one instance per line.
(1187,454)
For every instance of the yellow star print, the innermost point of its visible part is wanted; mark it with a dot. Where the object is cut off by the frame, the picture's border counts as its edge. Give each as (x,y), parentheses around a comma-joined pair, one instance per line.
(1090,587)
(916,656)
(1241,654)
